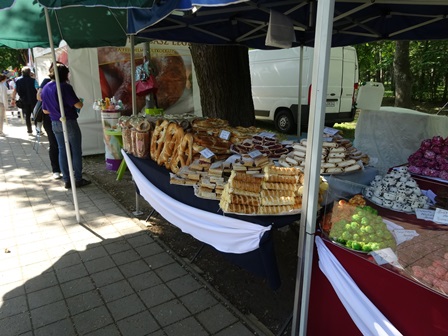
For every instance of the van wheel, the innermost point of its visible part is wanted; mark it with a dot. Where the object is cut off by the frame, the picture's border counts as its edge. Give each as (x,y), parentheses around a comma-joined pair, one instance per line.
(284,122)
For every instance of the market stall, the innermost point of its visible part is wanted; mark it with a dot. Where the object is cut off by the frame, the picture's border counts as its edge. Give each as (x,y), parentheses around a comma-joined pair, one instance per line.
(411,290)
(391,134)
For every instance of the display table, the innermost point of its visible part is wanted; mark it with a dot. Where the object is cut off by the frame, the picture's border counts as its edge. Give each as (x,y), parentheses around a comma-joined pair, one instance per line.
(245,240)
(389,135)
(413,308)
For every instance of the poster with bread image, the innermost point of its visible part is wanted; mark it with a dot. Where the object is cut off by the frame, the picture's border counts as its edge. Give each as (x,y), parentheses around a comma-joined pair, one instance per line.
(172,65)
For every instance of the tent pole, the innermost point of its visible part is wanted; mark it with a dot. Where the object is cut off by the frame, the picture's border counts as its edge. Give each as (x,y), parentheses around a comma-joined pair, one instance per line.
(63,119)
(299,106)
(134,94)
(324,26)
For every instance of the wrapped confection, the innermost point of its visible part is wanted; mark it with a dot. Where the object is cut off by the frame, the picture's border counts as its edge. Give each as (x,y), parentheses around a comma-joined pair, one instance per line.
(130,133)
(123,123)
(142,137)
(431,159)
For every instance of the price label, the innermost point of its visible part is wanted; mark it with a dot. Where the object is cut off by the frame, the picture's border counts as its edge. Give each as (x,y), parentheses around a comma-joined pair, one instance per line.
(425,214)
(327,139)
(404,235)
(224,135)
(330,130)
(287,142)
(255,153)
(385,256)
(207,153)
(267,135)
(441,216)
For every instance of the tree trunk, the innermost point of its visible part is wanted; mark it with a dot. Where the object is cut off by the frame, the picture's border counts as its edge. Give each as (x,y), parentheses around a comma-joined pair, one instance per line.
(224,82)
(402,75)
(445,88)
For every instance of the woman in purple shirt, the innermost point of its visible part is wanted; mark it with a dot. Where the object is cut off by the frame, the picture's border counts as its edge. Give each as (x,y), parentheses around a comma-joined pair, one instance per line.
(50,105)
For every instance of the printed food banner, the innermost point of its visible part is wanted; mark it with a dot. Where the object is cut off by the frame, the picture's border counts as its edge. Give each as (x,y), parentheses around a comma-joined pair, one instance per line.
(172,64)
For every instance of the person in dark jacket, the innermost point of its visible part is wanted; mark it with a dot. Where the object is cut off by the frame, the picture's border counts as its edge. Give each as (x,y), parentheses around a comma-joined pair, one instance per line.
(46,120)
(26,89)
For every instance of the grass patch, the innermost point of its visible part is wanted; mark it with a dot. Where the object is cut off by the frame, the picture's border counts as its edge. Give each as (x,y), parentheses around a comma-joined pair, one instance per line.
(348,128)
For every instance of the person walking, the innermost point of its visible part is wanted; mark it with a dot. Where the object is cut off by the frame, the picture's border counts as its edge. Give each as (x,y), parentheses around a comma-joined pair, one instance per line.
(3,101)
(26,89)
(50,105)
(53,151)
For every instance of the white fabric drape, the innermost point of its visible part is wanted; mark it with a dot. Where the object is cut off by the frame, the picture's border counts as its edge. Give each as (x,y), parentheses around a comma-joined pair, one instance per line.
(389,135)
(226,234)
(368,319)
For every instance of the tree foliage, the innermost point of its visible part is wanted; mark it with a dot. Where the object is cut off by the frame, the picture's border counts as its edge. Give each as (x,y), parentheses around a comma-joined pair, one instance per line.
(11,58)
(428,61)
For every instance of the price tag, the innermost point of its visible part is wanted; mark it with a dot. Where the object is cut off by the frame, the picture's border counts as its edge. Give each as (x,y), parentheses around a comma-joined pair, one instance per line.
(330,130)
(385,256)
(233,158)
(430,194)
(255,153)
(224,135)
(267,135)
(441,216)
(287,142)
(404,235)
(425,214)
(327,139)
(207,153)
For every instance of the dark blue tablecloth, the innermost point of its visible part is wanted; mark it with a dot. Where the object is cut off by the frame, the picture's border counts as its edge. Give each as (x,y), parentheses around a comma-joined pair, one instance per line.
(262,261)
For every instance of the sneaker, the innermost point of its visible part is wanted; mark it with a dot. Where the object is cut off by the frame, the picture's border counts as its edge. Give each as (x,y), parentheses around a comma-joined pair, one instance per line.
(57,176)
(82,183)
(67,185)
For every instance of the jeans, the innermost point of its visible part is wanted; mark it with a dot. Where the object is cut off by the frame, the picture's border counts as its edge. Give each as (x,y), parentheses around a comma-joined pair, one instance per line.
(74,139)
(54,151)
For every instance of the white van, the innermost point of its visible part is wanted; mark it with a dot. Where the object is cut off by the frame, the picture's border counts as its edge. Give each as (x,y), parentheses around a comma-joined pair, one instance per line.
(275,82)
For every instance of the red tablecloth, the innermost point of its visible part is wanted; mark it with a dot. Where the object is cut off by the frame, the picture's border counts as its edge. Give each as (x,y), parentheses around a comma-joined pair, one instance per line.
(411,307)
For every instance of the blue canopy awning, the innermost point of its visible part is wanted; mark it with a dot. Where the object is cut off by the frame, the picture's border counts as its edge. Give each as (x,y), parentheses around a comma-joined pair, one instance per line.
(246,22)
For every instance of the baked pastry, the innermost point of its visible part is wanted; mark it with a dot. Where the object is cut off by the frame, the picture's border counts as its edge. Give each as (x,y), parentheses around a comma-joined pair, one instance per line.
(279,200)
(158,139)
(274,170)
(238,208)
(279,186)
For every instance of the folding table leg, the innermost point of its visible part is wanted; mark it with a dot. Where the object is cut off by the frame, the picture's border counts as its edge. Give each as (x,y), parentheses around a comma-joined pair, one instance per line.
(197,253)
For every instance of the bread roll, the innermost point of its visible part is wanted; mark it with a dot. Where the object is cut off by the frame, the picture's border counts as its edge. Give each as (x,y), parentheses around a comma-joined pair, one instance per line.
(334,170)
(352,168)
(346,163)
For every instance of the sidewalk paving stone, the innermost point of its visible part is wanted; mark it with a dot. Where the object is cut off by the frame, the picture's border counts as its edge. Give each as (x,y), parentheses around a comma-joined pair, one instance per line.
(103,276)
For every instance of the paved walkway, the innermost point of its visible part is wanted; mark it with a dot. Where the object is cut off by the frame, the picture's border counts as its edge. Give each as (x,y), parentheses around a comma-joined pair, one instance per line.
(104,276)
